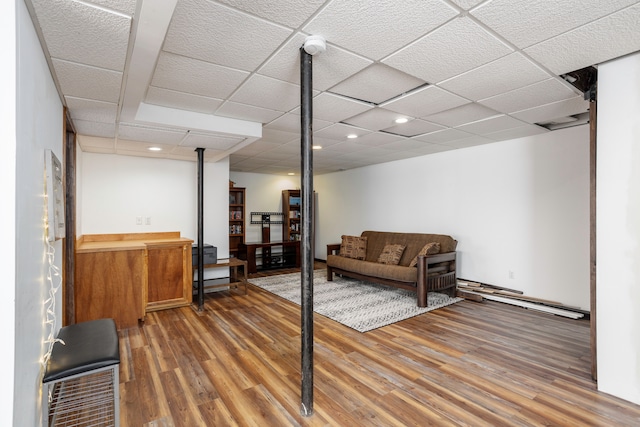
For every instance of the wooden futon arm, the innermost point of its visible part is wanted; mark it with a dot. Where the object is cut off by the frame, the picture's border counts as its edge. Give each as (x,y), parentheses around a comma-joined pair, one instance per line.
(333,248)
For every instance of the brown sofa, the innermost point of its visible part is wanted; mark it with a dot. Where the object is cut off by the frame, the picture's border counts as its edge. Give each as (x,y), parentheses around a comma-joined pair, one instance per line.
(433,272)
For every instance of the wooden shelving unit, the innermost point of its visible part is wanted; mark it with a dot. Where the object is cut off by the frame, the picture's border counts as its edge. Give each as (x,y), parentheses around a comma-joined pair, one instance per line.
(237,202)
(291,209)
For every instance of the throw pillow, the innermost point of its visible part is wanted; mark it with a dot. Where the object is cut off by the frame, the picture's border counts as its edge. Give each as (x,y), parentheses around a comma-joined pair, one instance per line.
(428,249)
(353,247)
(391,254)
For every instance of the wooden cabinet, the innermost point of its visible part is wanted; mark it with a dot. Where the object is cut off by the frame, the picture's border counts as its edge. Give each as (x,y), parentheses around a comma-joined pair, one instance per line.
(123,276)
(236,219)
(292,212)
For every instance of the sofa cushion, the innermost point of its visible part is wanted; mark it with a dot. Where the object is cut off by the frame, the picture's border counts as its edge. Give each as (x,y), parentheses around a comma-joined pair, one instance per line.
(353,247)
(391,254)
(428,249)
(374,269)
(376,241)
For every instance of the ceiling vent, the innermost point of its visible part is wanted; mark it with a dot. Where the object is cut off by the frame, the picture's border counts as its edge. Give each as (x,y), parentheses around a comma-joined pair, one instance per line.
(566,122)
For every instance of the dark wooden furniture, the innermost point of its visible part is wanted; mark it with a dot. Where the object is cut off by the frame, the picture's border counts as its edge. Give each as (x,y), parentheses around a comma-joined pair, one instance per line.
(236,219)
(291,209)
(284,254)
(433,273)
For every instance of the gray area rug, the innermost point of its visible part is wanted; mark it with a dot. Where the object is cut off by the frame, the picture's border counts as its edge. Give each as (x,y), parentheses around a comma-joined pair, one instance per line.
(362,306)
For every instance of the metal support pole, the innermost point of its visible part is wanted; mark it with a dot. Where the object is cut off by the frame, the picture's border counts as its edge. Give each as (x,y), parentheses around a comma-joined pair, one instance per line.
(200,152)
(307,221)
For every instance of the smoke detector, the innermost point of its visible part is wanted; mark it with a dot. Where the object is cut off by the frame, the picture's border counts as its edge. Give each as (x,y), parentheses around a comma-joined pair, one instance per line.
(314,45)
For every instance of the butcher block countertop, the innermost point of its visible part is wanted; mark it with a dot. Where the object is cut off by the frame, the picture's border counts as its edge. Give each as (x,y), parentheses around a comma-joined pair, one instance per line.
(126,241)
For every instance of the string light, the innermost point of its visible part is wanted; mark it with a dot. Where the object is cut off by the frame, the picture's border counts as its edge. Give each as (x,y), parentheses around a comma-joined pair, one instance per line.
(54,280)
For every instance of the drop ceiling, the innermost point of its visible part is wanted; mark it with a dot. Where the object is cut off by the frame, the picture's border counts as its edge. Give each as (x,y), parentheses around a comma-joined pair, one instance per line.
(224,75)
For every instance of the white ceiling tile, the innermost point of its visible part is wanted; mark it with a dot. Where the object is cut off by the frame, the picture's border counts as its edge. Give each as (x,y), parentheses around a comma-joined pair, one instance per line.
(150,134)
(413,128)
(291,13)
(335,108)
(491,125)
(525,22)
(289,149)
(470,142)
(258,90)
(86,142)
(452,49)
(290,122)
(555,110)
(461,115)
(375,119)
(424,102)
(443,136)
(215,142)
(105,35)
(105,130)
(502,75)
(125,6)
(215,33)
(340,131)
(276,136)
(518,132)
(540,93)
(377,83)
(376,29)
(92,110)
(247,112)
(431,149)
(376,139)
(83,81)
(467,4)
(404,145)
(182,100)
(197,77)
(597,42)
(346,146)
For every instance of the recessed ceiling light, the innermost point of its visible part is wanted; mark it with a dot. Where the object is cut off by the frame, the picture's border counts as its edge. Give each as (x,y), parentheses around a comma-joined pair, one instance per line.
(291,174)
(155,149)
(352,136)
(402,120)
(317,147)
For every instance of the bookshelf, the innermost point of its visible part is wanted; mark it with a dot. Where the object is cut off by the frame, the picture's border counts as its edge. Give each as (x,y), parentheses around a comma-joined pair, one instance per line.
(236,219)
(291,209)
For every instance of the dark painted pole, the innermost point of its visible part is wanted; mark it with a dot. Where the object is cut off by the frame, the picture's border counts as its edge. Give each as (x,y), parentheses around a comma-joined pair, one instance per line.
(200,152)
(307,221)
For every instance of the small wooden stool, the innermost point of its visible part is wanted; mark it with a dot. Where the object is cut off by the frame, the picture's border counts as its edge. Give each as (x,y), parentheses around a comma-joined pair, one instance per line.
(81,380)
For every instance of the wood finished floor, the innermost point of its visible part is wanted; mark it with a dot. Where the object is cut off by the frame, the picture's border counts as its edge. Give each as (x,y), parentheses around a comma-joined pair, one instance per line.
(473,364)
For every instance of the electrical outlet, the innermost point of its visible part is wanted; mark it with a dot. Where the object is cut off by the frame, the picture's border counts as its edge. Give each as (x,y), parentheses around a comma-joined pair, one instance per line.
(138,220)
(147,220)
(512,275)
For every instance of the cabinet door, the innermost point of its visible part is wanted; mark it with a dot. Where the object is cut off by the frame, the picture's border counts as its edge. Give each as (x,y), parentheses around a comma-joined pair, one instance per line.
(169,281)
(109,284)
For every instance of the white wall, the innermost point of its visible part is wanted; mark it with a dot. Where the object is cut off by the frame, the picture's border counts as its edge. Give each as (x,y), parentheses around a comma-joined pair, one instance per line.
(519,206)
(116,190)
(263,194)
(8,27)
(39,127)
(618,228)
